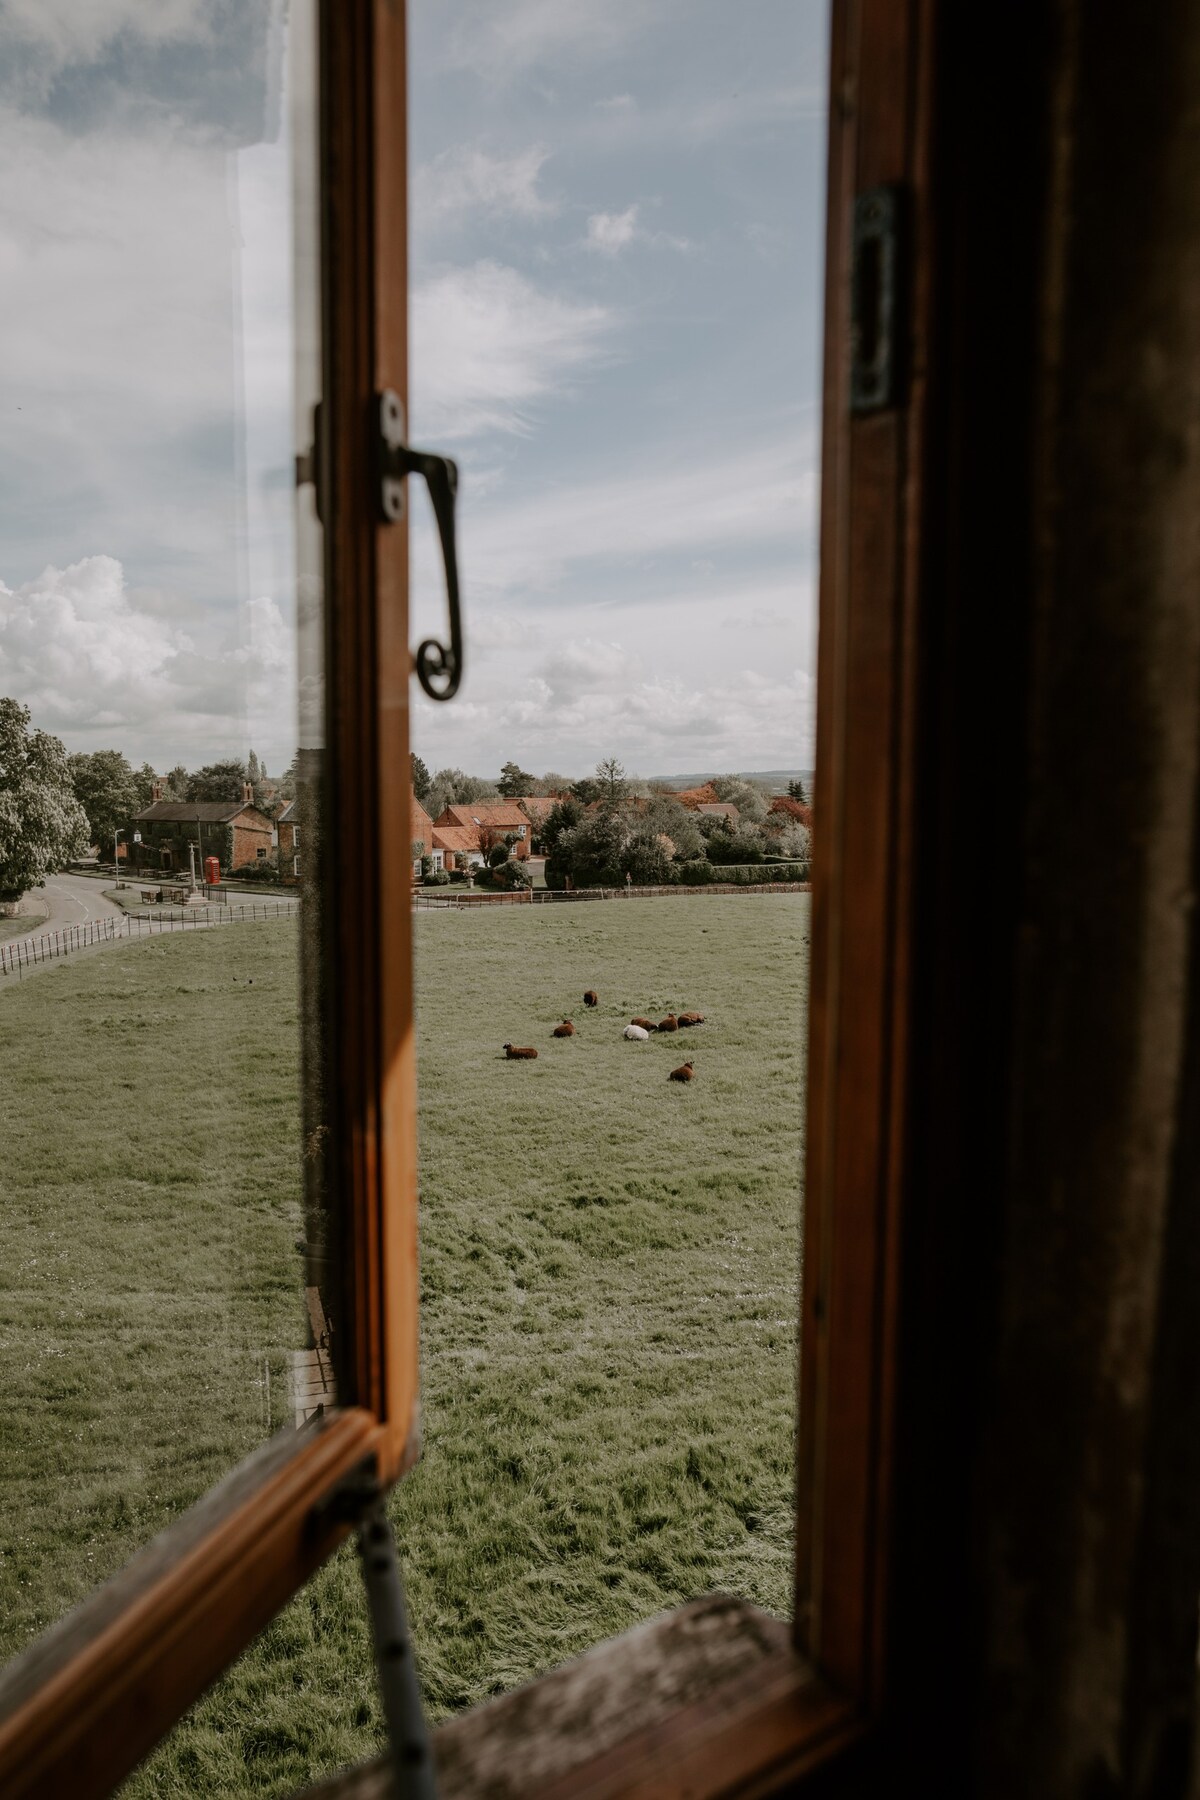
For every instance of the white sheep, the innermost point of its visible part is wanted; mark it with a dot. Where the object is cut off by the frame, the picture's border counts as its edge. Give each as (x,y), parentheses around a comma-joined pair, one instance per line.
(636,1035)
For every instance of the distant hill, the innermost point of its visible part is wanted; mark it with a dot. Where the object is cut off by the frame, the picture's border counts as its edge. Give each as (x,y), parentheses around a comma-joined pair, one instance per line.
(776,778)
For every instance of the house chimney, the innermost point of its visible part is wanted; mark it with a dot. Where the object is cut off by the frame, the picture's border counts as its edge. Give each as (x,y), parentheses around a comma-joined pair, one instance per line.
(155,792)
(247,794)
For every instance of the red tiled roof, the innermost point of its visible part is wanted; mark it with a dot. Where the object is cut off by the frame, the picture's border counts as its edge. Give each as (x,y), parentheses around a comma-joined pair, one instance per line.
(500,814)
(455,837)
(699,796)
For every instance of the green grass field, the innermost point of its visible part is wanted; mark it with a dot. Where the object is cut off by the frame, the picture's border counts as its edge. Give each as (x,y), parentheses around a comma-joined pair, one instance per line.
(609,1268)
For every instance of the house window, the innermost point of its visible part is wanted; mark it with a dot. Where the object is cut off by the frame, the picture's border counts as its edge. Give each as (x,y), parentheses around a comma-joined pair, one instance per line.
(295,865)
(437,859)
(295,837)
(261,855)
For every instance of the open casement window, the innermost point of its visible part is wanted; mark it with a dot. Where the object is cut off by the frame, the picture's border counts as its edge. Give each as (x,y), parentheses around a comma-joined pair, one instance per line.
(85,1703)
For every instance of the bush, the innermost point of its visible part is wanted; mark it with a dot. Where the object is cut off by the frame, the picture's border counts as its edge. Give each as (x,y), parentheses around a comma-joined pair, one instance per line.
(438,878)
(512,875)
(458,875)
(695,874)
(255,871)
(497,856)
(556,871)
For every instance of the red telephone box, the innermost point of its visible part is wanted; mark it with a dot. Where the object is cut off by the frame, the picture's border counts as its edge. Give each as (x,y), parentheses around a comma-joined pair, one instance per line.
(212,871)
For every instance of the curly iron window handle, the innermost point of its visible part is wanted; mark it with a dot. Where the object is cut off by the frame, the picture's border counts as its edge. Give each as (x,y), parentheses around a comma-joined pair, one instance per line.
(439,667)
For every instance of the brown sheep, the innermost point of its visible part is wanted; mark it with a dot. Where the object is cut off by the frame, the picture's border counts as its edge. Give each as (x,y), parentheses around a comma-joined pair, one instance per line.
(684,1073)
(670,1023)
(566,1029)
(692,1018)
(589,999)
(646,1024)
(515,1053)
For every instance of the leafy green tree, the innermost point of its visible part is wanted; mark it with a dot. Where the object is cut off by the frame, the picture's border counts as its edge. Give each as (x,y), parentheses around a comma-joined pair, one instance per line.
(218,781)
(288,781)
(451,787)
(796,792)
(42,825)
(254,770)
(511,874)
(175,783)
(107,789)
(663,814)
(422,781)
(645,858)
(563,816)
(515,781)
(750,800)
(586,790)
(592,851)
(552,783)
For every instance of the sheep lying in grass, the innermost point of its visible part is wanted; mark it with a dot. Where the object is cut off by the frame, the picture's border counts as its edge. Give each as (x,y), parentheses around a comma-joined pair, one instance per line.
(589,999)
(670,1023)
(566,1029)
(684,1073)
(637,1034)
(691,1018)
(517,1053)
(646,1025)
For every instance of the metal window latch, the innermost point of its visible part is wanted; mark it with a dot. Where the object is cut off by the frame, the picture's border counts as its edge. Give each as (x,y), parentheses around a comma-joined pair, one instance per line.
(412,1756)
(439,668)
(876,343)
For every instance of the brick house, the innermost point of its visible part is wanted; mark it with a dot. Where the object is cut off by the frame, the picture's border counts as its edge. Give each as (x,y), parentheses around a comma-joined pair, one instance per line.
(234,831)
(537,809)
(453,841)
(483,816)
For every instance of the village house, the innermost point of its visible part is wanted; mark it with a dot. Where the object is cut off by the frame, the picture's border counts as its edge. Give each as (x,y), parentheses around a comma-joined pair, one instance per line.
(234,831)
(484,819)
(537,809)
(454,844)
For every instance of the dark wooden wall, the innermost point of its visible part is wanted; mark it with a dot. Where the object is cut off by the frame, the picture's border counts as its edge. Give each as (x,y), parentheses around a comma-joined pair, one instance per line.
(1048,1549)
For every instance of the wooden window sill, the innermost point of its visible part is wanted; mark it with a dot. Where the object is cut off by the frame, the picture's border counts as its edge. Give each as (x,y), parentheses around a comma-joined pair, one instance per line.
(710,1700)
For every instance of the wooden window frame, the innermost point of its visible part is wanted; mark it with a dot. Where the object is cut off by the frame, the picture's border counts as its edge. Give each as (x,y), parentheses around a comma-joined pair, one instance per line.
(85,1704)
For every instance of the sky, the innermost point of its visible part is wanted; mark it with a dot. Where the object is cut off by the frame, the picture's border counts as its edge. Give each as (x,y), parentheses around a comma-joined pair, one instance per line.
(616,225)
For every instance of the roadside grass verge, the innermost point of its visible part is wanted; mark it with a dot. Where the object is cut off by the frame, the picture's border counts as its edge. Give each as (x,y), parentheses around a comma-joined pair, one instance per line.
(609,1275)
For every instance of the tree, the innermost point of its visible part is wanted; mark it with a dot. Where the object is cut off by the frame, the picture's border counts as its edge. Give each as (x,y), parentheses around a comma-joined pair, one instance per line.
(175,783)
(254,770)
(611,776)
(750,799)
(663,814)
(552,784)
(218,781)
(586,790)
(646,858)
(451,787)
(515,781)
(107,789)
(796,792)
(289,779)
(42,825)
(563,816)
(592,851)
(143,781)
(422,781)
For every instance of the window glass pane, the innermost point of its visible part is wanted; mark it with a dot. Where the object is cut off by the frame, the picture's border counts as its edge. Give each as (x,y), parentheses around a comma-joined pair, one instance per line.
(165,1304)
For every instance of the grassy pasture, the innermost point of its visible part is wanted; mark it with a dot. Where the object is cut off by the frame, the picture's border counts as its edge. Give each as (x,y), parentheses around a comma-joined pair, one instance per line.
(608,1271)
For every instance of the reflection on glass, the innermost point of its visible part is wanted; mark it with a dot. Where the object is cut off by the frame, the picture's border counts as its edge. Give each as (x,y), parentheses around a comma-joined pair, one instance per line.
(165,1298)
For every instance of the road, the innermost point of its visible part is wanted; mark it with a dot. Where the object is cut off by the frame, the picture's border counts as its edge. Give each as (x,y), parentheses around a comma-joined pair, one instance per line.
(72,900)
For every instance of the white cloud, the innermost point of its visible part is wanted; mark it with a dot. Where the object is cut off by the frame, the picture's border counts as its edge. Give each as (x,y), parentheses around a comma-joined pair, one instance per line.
(466,179)
(754,500)
(488,346)
(498,41)
(612,232)
(65,31)
(90,662)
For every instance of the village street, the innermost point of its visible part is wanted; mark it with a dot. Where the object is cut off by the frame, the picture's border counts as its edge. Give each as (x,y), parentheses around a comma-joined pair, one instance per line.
(65,900)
